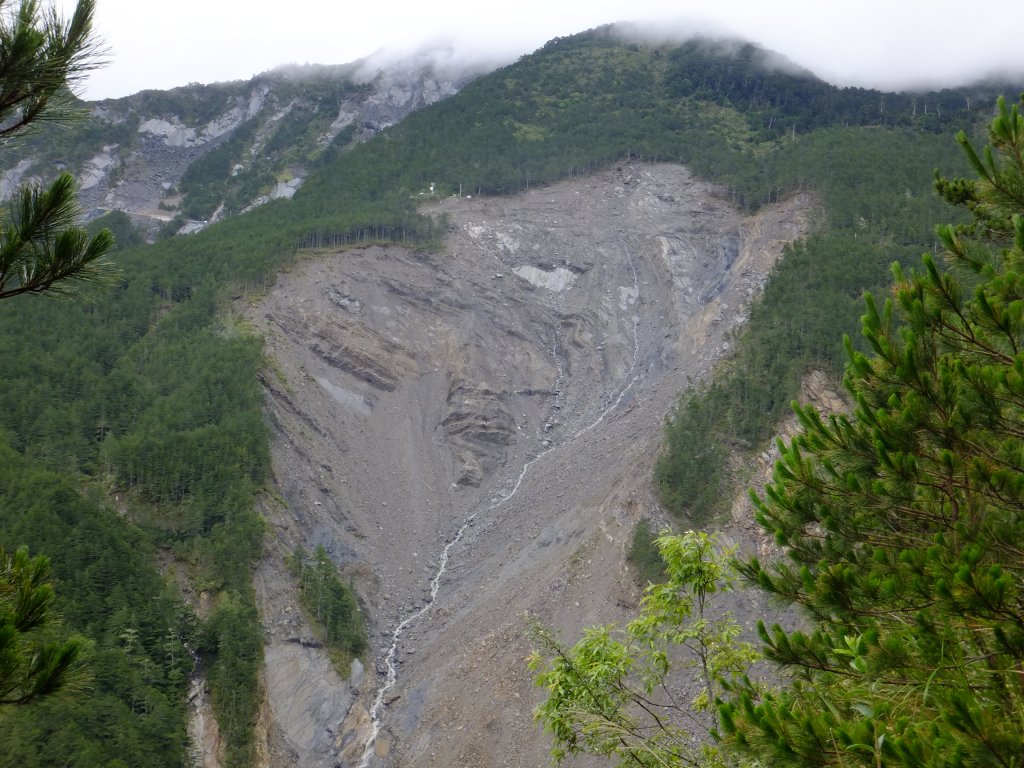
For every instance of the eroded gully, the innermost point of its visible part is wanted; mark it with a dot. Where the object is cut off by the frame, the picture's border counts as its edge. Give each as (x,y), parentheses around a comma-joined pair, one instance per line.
(627,383)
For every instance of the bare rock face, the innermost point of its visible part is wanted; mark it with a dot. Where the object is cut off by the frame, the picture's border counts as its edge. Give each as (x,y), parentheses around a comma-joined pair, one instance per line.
(139,164)
(470,435)
(469,471)
(362,353)
(205,746)
(478,419)
(401,89)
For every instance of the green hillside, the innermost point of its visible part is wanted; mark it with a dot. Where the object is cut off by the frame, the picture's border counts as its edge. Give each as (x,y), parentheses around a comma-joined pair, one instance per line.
(149,396)
(294,114)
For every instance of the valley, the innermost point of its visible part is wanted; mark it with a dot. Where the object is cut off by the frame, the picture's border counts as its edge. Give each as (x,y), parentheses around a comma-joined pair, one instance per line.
(316,374)
(485,417)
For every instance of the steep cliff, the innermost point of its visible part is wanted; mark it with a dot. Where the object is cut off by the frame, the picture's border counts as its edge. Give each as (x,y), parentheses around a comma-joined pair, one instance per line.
(470,434)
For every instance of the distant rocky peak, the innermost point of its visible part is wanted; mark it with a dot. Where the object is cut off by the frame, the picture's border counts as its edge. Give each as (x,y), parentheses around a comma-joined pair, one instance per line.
(137,151)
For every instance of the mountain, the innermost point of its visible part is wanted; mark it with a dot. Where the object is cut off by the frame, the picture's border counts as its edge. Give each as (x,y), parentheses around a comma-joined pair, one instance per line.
(177,160)
(435,377)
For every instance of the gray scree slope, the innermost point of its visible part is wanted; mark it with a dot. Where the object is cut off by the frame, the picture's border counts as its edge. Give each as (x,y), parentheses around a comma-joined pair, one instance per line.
(515,381)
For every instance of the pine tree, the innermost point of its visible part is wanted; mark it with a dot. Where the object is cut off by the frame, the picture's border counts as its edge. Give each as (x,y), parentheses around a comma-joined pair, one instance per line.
(904,523)
(41,56)
(41,251)
(31,664)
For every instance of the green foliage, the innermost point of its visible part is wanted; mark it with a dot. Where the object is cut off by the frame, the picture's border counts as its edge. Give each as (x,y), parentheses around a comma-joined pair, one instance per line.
(230,174)
(41,249)
(144,391)
(903,523)
(331,605)
(137,632)
(126,234)
(617,692)
(644,556)
(779,99)
(62,146)
(31,666)
(41,55)
(235,654)
(172,416)
(205,181)
(193,104)
(147,392)
(148,395)
(873,183)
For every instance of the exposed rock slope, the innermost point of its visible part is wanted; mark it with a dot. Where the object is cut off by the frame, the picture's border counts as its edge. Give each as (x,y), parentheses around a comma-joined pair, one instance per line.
(135,150)
(486,417)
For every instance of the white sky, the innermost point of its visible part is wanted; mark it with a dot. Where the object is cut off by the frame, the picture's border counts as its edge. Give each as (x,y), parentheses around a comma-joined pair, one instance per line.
(873,43)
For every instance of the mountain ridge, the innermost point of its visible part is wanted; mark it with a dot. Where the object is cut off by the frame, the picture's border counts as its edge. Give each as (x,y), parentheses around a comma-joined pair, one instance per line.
(156,398)
(145,154)
(176,160)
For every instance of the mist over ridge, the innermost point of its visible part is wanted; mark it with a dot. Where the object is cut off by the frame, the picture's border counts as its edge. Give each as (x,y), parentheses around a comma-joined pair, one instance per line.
(457,58)
(890,46)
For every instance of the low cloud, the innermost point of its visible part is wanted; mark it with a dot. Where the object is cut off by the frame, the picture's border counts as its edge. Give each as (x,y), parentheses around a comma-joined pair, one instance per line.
(871,43)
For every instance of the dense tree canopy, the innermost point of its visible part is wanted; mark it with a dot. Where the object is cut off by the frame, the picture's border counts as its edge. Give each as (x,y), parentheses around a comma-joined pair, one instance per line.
(330,604)
(41,250)
(129,704)
(903,523)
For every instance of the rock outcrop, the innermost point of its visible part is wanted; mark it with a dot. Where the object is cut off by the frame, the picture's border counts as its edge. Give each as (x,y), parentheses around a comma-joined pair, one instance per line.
(142,145)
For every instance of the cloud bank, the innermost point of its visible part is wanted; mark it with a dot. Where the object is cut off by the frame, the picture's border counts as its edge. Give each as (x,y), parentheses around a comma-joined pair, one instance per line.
(871,43)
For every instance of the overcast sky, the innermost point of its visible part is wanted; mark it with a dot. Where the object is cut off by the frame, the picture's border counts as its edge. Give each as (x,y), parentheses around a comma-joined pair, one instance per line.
(887,44)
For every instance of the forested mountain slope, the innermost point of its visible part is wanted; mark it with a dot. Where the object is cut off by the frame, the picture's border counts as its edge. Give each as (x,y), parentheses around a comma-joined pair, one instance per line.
(135,426)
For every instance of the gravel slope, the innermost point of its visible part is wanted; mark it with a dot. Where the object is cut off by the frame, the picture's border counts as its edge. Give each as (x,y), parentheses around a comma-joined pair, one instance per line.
(483,421)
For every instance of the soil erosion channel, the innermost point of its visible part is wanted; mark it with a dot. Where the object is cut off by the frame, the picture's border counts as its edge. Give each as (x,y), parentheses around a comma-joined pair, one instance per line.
(470,435)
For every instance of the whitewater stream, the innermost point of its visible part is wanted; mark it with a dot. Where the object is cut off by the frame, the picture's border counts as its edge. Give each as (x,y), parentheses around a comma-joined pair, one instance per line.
(627,382)
(505,394)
